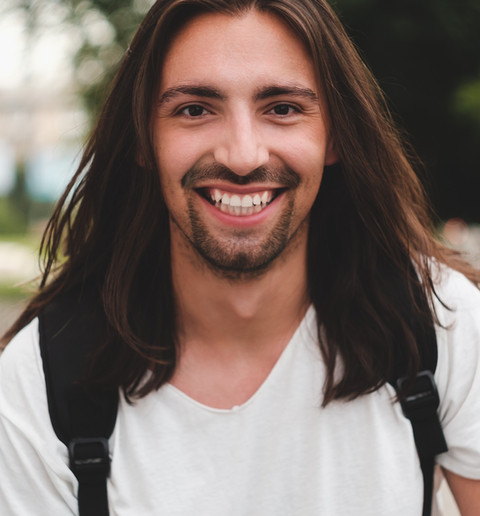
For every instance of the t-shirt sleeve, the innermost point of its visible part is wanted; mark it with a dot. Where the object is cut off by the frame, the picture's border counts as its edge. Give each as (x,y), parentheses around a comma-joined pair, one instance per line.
(35,478)
(458,374)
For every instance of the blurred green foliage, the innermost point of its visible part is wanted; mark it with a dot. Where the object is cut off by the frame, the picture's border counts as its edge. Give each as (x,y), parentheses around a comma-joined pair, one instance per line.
(467,103)
(18,210)
(425,54)
(12,293)
(14,209)
(12,220)
(99,55)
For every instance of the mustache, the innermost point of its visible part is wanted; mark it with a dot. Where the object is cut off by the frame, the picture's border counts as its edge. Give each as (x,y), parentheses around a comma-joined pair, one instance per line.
(282,175)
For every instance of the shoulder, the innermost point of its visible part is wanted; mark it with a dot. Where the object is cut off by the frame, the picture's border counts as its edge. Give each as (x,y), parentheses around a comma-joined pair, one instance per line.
(458,370)
(454,293)
(457,305)
(23,399)
(21,363)
(32,448)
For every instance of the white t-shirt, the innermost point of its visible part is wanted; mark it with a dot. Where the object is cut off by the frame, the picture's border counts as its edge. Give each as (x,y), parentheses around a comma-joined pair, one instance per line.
(278,454)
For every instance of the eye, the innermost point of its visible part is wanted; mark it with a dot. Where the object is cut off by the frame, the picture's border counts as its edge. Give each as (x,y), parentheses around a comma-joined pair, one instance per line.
(284,109)
(193,111)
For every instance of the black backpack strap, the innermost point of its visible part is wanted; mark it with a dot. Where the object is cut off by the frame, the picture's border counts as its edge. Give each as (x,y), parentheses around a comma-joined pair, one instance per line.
(420,407)
(83,419)
(421,399)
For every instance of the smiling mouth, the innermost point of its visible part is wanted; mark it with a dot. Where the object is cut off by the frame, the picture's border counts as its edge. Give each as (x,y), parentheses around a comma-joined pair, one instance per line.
(239,205)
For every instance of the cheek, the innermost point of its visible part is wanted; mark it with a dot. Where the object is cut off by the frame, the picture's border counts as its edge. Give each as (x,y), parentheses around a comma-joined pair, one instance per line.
(309,164)
(304,148)
(308,161)
(175,157)
(171,166)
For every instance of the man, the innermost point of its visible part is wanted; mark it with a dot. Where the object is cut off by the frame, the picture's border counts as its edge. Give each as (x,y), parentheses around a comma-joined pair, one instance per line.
(246,214)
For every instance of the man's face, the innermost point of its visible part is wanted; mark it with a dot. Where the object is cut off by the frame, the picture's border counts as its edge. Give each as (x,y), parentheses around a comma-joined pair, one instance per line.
(240,140)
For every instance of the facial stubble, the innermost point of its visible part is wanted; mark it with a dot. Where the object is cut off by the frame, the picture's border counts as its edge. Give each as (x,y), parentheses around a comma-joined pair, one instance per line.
(241,253)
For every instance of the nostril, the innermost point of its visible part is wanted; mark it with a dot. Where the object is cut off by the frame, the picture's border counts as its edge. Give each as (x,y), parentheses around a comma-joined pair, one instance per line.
(242,155)
(243,163)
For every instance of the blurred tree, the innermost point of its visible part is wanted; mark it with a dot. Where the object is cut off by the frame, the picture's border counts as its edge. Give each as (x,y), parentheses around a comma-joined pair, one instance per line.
(15,208)
(425,54)
(101,29)
(107,28)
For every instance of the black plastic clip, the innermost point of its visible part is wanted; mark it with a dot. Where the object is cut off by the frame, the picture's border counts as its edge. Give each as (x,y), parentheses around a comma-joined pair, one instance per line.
(89,459)
(421,400)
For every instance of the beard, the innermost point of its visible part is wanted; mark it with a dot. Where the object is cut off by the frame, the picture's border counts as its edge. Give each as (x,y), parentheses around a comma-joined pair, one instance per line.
(240,253)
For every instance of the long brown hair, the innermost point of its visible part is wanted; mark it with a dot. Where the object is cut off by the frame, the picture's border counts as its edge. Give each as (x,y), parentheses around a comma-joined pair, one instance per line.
(369,224)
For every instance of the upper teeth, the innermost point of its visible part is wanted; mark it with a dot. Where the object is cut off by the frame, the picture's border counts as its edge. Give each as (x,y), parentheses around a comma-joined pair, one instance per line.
(244,201)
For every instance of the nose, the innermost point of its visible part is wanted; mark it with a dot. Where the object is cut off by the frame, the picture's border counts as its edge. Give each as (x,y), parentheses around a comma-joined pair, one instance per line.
(241,147)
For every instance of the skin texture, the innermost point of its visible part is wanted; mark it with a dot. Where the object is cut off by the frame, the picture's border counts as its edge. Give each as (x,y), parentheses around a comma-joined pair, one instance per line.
(236,122)
(466,492)
(244,118)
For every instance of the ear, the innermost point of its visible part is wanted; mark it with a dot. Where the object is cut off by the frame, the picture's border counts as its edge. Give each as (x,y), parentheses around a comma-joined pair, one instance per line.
(331,155)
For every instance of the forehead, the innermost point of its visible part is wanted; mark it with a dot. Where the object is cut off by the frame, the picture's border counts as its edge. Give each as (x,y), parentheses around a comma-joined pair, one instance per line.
(238,50)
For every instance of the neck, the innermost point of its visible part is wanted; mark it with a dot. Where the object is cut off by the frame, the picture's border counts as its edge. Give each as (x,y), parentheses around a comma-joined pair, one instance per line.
(239,313)
(232,331)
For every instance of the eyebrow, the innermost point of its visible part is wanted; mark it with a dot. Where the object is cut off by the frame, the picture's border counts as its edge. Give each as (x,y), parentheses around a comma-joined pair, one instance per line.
(197,91)
(261,94)
(295,91)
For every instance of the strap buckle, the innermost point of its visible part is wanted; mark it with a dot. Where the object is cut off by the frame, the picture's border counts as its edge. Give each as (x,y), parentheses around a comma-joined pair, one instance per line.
(89,459)
(422,399)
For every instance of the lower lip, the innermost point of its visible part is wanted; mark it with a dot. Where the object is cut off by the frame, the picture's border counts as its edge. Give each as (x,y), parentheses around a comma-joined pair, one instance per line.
(243,221)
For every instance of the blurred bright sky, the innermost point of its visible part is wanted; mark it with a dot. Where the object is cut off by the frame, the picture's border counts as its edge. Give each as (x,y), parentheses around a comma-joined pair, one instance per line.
(36,62)
(43,56)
